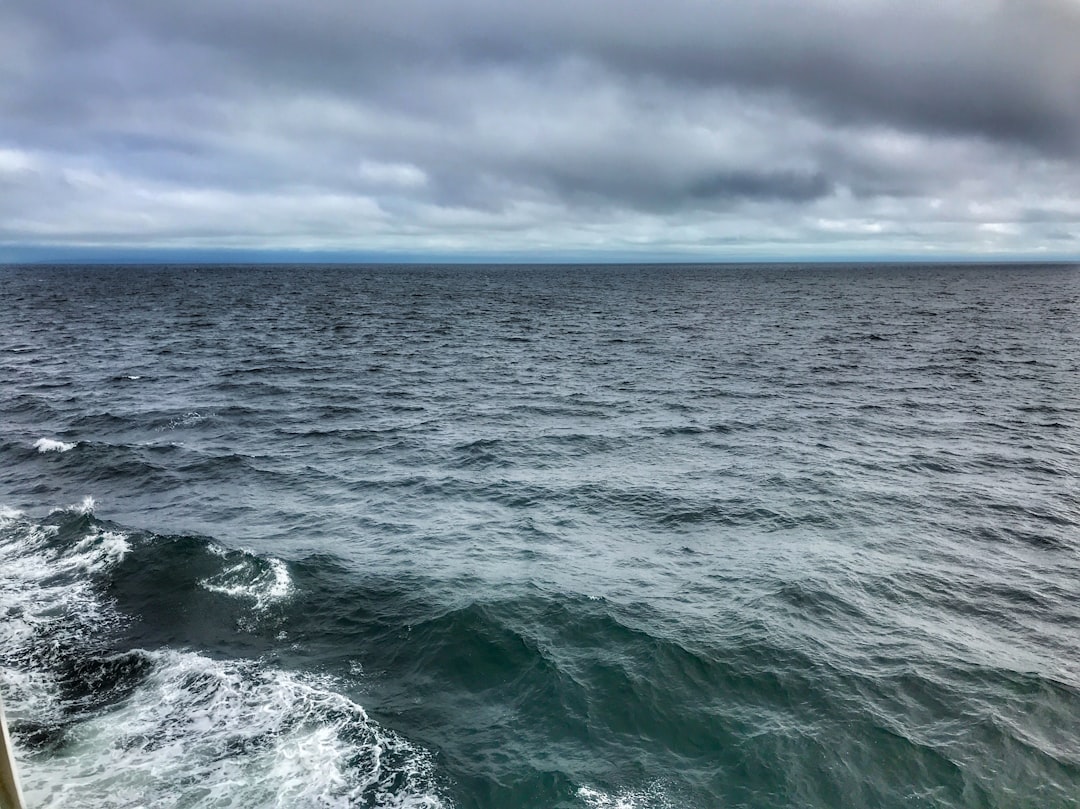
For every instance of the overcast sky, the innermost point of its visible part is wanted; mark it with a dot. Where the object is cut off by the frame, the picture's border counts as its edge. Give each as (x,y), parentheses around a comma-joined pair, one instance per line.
(593,129)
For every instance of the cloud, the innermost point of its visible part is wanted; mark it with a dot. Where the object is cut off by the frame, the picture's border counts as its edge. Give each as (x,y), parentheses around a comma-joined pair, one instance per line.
(707,129)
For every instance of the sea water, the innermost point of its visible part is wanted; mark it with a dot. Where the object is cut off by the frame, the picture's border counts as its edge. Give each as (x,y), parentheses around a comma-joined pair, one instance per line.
(613,537)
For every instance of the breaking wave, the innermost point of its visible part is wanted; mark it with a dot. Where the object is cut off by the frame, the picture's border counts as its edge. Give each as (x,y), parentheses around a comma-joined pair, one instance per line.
(97,722)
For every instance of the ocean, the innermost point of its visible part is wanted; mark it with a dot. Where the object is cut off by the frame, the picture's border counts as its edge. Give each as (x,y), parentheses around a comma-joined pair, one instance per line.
(555,537)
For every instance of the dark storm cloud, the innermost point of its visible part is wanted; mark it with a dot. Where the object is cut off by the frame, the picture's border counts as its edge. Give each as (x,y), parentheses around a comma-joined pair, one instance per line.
(803,122)
(762,185)
(999,69)
(710,188)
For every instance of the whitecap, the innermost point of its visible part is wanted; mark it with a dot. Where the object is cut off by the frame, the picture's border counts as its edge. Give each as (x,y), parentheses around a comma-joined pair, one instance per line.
(48,593)
(192,731)
(217,550)
(216,733)
(653,796)
(84,507)
(52,445)
(8,515)
(99,551)
(263,582)
(189,419)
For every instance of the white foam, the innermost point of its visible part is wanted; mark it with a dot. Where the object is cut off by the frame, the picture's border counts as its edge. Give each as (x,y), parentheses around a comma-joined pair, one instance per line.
(196,731)
(29,562)
(47,594)
(52,445)
(85,507)
(99,551)
(32,569)
(652,796)
(201,732)
(189,419)
(8,515)
(32,694)
(217,550)
(249,581)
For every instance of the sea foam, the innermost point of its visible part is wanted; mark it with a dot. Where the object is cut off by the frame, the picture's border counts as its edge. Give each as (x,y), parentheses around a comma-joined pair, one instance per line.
(653,797)
(52,445)
(263,582)
(49,604)
(187,729)
(217,733)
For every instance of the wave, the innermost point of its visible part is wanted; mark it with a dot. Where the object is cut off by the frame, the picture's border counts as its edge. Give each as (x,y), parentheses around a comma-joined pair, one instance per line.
(188,419)
(51,609)
(263,582)
(99,719)
(654,797)
(53,445)
(214,733)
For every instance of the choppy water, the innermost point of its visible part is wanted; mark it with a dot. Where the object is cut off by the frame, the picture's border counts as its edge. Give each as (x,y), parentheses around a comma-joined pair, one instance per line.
(588,537)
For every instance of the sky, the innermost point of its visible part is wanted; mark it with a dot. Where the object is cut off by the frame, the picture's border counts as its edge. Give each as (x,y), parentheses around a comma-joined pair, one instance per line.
(698,130)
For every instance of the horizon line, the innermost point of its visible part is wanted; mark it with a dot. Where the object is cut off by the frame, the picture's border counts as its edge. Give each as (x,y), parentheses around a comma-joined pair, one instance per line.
(179,261)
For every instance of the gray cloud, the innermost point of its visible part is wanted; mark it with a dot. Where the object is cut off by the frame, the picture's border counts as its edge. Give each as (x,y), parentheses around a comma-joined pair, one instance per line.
(1000,69)
(473,126)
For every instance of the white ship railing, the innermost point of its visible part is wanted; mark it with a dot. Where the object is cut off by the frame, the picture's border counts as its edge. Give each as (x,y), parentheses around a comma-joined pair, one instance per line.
(10,790)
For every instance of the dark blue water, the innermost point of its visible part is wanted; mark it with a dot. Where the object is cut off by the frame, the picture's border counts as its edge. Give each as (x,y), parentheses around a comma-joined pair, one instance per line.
(596,537)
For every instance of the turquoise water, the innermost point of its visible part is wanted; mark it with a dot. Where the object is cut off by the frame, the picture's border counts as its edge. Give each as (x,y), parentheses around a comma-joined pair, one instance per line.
(489,536)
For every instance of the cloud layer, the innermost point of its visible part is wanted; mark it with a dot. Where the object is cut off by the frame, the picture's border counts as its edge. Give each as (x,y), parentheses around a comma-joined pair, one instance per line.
(706,130)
